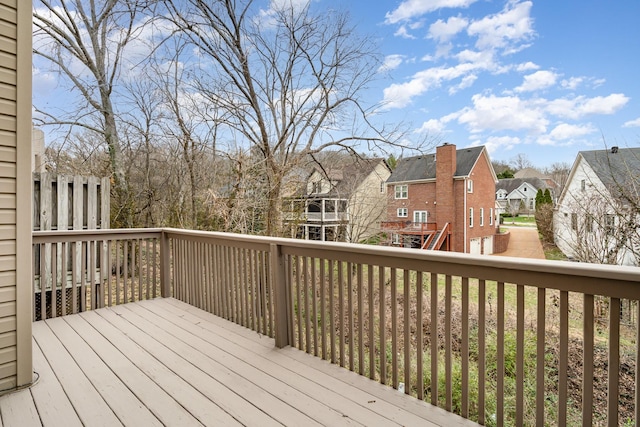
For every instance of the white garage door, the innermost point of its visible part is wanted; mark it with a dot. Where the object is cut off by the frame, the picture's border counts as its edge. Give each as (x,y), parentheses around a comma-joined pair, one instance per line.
(487,245)
(474,246)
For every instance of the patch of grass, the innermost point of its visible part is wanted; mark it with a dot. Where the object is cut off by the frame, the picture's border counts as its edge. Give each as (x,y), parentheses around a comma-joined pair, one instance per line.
(552,252)
(519,220)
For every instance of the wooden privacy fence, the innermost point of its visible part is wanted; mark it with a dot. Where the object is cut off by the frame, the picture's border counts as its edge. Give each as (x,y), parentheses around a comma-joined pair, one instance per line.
(95,268)
(62,202)
(501,341)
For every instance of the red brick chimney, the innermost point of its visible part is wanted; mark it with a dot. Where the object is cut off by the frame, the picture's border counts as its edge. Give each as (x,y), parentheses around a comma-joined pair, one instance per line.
(445,198)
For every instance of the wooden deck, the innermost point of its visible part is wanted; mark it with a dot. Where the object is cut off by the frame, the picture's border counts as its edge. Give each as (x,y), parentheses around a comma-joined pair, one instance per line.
(163,362)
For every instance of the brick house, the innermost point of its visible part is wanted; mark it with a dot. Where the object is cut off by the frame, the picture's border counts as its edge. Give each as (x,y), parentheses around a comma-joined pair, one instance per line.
(443,201)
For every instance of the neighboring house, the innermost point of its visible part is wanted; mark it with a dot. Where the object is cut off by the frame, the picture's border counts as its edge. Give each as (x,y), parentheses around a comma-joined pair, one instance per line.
(443,201)
(342,202)
(518,195)
(597,218)
(528,173)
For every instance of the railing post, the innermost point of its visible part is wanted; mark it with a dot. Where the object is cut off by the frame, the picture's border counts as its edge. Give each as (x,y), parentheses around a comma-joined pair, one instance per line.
(165,262)
(281,289)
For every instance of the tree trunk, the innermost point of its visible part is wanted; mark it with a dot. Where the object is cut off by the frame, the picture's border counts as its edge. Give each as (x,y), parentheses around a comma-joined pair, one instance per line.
(123,214)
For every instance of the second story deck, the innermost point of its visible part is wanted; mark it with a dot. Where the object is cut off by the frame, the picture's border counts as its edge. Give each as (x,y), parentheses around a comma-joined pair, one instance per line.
(164,362)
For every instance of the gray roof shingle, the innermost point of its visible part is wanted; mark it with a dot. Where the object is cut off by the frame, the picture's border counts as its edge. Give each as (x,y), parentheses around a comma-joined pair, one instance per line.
(617,170)
(423,167)
(510,184)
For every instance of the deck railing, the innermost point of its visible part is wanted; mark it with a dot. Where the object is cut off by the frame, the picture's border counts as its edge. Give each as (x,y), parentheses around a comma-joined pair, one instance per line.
(76,271)
(501,341)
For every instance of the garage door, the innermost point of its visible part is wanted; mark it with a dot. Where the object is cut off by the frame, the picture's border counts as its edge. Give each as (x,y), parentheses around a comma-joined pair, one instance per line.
(474,246)
(487,245)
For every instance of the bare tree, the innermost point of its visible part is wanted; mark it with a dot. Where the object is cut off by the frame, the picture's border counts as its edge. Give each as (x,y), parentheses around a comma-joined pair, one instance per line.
(559,172)
(84,41)
(520,161)
(141,131)
(288,82)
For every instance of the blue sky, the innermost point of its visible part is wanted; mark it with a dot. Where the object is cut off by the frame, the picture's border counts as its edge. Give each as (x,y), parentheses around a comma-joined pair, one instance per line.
(542,78)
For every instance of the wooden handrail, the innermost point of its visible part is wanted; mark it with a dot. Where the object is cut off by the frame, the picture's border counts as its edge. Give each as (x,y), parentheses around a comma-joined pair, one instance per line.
(419,318)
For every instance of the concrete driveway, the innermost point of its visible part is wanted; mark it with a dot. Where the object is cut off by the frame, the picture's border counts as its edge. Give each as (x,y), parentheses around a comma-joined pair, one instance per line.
(523,243)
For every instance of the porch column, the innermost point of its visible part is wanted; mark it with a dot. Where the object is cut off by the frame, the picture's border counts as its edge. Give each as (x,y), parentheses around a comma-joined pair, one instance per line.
(18,141)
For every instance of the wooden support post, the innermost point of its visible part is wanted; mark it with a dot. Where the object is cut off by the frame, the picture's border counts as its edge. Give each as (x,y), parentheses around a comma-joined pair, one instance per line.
(165,263)
(281,289)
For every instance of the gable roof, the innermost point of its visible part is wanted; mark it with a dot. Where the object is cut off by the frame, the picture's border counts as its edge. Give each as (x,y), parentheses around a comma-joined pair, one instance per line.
(349,175)
(615,169)
(529,173)
(510,184)
(419,168)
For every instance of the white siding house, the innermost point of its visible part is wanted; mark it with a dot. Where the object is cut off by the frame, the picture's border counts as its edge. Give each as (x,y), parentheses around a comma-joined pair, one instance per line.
(592,217)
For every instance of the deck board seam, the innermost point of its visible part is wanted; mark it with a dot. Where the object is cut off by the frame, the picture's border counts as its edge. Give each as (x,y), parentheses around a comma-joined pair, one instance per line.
(263,372)
(176,353)
(271,352)
(145,372)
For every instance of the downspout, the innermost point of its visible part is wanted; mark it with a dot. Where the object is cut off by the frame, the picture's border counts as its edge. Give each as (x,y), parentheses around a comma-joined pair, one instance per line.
(466,224)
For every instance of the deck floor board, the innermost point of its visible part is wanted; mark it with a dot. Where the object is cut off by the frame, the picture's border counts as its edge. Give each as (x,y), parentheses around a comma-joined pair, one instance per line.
(163,362)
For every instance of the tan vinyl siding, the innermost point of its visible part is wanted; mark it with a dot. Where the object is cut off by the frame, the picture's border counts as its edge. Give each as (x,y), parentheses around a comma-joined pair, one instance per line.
(15,146)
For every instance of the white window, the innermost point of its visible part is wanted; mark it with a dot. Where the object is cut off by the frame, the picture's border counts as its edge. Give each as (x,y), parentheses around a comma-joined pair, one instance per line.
(491,216)
(531,204)
(481,217)
(396,239)
(609,222)
(470,217)
(403,212)
(420,216)
(588,223)
(469,186)
(583,185)
(402,191)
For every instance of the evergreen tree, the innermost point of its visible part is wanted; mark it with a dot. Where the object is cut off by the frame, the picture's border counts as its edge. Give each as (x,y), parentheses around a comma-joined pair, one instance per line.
(539,199)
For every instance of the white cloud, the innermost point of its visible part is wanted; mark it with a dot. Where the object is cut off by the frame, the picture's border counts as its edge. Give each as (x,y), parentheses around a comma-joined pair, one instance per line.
(501,143)
(466,82)
(402,32)
(504,30)
(566,134)
(431,126)
(266,17)
(503,113)
(572,83)
(537,81)
(527,66)
(400,95)
(444,31)
(567,131)
(410,9)
(391,62)
(632,123)
(578,107)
